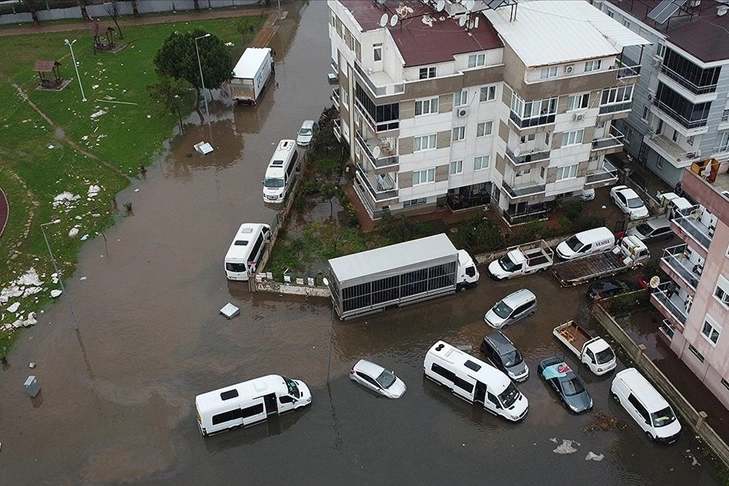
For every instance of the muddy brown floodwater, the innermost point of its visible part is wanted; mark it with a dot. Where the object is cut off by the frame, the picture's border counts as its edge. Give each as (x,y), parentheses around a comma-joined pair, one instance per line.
(116,404)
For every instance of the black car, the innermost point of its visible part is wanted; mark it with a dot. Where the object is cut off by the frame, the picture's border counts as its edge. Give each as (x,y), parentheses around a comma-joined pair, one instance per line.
(566,384)
(504,355)
(609,288)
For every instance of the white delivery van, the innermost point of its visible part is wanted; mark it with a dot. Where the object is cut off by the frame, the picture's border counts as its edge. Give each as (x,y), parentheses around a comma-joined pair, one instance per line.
(596,240)
(475,381)
(249,402)
(246,250)
(647,407)
(280,172)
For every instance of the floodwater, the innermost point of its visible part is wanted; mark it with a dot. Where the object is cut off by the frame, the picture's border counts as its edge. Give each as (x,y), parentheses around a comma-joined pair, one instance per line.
(117,395)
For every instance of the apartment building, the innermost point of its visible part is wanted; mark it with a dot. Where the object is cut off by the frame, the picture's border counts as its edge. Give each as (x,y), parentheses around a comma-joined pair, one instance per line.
(695,299)
(681,103)
(459,104)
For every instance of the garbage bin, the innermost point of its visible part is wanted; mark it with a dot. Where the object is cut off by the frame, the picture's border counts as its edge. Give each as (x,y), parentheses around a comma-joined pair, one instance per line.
(32,388)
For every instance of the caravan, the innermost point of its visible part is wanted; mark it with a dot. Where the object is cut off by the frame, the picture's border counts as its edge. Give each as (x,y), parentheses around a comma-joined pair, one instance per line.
(280,172)
(249,402)
(475,381)
(246,250)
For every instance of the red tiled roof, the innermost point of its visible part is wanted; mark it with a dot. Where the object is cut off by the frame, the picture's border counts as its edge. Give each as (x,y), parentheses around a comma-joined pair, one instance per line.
(705,35)
(418,43)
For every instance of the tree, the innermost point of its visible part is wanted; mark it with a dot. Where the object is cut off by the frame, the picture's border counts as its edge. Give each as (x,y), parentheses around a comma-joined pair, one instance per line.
(82,5)
(33,10)
(177,58)
(113,10)
(135,9)
(328,191)
(169,92)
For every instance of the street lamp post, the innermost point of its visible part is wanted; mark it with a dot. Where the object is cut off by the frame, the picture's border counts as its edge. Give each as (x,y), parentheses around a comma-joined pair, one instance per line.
(202,80)
(70,46)
(58,273)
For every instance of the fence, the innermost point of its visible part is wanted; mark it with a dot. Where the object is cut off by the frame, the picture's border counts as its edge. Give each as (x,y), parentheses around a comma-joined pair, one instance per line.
(696,419)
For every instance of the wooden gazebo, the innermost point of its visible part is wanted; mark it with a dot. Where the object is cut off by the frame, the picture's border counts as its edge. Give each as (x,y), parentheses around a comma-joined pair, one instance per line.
(53,67)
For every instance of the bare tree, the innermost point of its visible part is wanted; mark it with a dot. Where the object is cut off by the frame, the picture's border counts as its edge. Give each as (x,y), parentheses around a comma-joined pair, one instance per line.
(84,14)
(33,10)
(196,4)
(112,9)
(135,9)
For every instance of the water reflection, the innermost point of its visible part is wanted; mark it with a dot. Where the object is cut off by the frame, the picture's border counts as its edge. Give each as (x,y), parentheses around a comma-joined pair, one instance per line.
(275,425)
(185,160)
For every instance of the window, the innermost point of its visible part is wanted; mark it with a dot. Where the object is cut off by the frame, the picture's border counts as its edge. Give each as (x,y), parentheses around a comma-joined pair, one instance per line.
(546,138)
(475,60)
(345,95)
(488,93)
(459,133)
(332,19)
(456,167)
(711,330)
(460,98)
(592,65)
(618,94)
(567,172)
(576,102)
(414,202)
(659,163)
(426,142)
(646,112)
(660,50)
(626,24)
(481,162)
(427,72)
(377,52)
(725,383)
(572,138)
(532,113)
(423,176)
(484,128)
(548,72)
(724,142)
(722,290)
(426,107)
(696,353)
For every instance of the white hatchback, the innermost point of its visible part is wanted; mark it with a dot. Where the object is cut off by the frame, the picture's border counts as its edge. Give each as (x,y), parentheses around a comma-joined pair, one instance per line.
(629,202)
(377,378)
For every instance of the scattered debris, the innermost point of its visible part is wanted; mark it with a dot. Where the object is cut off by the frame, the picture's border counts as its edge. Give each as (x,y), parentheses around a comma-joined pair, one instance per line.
(591,456)
(12,308)
(203,147)
(31,365)
(689,455)
(566,447)
(603,422)
(229,310)
(73,233)
(93,190)
(55,293)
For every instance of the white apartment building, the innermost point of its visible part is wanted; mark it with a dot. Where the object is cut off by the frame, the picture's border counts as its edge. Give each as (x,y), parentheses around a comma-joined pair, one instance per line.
(460,104)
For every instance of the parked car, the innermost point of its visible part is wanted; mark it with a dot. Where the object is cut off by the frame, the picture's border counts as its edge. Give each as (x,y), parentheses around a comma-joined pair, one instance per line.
(652,230)
(610,287)
(306,133)
(512,308)
(566,384)
(503,354)
(629,202)
(377,378)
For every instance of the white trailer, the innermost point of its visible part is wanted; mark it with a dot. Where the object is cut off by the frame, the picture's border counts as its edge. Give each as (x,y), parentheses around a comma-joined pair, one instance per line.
(251,74)
(595,352)
(522,260)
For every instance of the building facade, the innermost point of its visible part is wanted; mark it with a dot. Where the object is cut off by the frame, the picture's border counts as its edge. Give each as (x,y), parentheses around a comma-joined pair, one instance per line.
(681,103)
(457,104)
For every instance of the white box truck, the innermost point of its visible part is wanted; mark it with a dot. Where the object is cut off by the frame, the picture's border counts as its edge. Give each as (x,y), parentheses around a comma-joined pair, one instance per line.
(595,352)
(396,275)
(251,74)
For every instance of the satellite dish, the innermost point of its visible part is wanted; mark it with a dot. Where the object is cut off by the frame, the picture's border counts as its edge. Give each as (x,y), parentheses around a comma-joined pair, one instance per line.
(376,151)
(393,20)
(462,20)
(440,5)
(383,20)
(469,4)
(654,282)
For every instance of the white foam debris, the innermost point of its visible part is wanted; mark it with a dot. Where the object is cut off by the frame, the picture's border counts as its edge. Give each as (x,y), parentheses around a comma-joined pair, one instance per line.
(93,190)
(64,198)
(31,291)
(73,233)
(565,447)
(55,293)
(30,278)
(591,456)
(12,308)
(98,114)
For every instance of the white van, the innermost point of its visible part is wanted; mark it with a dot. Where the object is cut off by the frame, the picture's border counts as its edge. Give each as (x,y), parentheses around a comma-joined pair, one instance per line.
(596,240)
(249,402)
(647,407)
(246,250)
(280,172)
(475,381)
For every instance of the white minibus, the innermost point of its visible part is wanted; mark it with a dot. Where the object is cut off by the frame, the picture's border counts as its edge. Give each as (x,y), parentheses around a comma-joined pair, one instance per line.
(246,250)
(249,402)
(280,172)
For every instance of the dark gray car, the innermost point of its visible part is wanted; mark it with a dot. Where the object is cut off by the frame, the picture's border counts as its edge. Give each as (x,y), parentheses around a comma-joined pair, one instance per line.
(504,355)
(566,384)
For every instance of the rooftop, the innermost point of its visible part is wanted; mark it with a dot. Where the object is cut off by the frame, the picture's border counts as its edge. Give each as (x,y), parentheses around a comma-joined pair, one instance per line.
(554,32)
(697,30)
(422,43)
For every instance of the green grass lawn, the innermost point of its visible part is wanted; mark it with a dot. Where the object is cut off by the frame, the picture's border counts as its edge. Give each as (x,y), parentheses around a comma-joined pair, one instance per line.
(119,127)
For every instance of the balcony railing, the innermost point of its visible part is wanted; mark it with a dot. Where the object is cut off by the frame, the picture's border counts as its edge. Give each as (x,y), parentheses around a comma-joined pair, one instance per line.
(523,190)
(527,158)
(677,261)
(385,186)
(335,96)
(375,126)
(536,213)
(337,130)
(614,140)
(396,88)
(670,150)
(627,68)
(685,122)
(616,107)
(384,160)
(520,122)
(691,226)
(667,297)
(608,172)
(694,88)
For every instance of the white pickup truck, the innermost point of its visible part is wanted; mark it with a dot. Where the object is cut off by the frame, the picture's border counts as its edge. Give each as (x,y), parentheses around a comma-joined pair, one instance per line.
(595,352)
(522,260)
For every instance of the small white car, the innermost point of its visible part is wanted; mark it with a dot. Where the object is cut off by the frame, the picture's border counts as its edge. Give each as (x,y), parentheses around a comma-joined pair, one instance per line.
(306,133)
(377,378)
(629,202)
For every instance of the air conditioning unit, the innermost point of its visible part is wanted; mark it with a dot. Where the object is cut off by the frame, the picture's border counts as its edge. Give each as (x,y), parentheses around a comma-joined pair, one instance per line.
(569,69)
(578,116)
(657,61)
(462,112)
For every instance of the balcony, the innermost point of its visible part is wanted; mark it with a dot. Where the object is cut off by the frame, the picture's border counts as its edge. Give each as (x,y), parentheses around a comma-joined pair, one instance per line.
(335,96)
(337,130)
(524,159)
(377,127)
(608,173)
(610,144)
(699,90)
(380,187)
(616,108)
(379,82)
(679,118)
(544,119)
(386,156)
(672,302)
(537,212)
(690,226)
(628,68)
(523,190)
(677,264)
(671,151)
